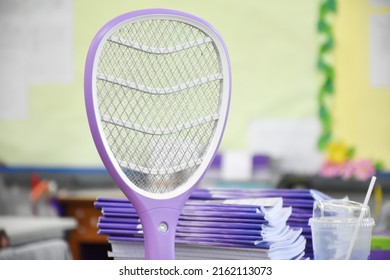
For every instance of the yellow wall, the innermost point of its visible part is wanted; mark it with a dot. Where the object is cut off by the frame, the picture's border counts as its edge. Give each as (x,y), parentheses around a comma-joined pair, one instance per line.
(361,113)
(272,46)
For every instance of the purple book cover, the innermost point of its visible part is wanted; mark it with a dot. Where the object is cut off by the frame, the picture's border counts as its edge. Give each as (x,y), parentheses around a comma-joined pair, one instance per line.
(301,214)
(106,221)
(187,235)
(121,232)
(121,215)
(219,220)
(222,219)
(113,199)
(191,227)
(123,211)
(102,204)
(229,193)
(190,205)
(220,241)
(119,226)
(221,193)
(224,207)
(219,231)
(200,232)
(220,225)
(209,243)
(227,219)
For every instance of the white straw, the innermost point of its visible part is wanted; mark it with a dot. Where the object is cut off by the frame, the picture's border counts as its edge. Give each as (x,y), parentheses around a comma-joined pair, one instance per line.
(366,200)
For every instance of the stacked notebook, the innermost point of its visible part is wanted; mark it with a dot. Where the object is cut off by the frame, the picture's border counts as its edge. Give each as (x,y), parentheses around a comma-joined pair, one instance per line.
(300,201)
(221,224)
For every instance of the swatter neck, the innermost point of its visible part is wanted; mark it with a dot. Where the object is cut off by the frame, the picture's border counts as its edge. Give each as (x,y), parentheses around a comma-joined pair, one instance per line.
(159,227)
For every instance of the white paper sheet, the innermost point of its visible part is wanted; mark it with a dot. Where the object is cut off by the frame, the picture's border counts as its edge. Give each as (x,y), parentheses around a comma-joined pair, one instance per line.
(292,143)
(380,3)
(380,50)
(13,66)
(13,86)
(36,47)
(236,166)
(51,41)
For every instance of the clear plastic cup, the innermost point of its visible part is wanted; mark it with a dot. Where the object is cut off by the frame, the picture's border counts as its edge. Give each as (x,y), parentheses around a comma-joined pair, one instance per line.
(333,225)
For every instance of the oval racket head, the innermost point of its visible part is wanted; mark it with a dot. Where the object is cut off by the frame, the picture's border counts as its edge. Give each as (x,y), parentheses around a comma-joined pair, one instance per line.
(157,88)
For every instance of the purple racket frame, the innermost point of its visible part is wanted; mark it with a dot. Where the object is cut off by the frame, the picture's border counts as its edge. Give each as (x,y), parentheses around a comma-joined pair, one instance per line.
(159,216)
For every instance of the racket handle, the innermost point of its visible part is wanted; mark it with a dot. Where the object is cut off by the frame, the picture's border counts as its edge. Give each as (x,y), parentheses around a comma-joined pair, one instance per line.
(159,227)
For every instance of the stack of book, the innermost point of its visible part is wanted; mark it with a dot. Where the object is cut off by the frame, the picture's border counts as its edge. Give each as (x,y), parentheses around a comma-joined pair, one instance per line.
(221,224)
(300,201)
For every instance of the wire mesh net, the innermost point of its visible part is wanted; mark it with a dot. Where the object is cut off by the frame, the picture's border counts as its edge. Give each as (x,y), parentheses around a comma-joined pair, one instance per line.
(159,87)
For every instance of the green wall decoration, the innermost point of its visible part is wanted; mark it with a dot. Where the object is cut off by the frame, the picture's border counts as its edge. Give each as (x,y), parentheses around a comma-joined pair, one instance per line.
(326,70)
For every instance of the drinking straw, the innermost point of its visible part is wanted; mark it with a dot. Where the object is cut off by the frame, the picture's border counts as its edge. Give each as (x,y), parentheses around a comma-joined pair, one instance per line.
(366,200)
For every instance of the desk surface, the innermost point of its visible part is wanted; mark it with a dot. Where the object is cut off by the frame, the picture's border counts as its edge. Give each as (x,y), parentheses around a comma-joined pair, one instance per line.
(27,229)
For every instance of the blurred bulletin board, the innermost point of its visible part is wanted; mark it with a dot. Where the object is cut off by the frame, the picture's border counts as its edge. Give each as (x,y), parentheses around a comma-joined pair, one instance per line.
(36,48)
(272,47)
(362,96)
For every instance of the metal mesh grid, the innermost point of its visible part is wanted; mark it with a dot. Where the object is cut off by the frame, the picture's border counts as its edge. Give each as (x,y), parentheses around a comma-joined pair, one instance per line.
(159,86)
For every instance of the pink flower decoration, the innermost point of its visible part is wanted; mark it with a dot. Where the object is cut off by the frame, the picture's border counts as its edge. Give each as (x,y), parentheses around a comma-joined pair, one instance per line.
(347,170)
(329,169)
(360,169)
(363,169)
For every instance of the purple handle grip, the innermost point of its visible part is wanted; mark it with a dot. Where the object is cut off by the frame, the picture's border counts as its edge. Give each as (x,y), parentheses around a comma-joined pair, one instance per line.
(159,226)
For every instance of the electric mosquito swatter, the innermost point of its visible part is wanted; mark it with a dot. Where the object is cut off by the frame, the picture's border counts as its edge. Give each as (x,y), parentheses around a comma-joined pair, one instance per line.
(157,91)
